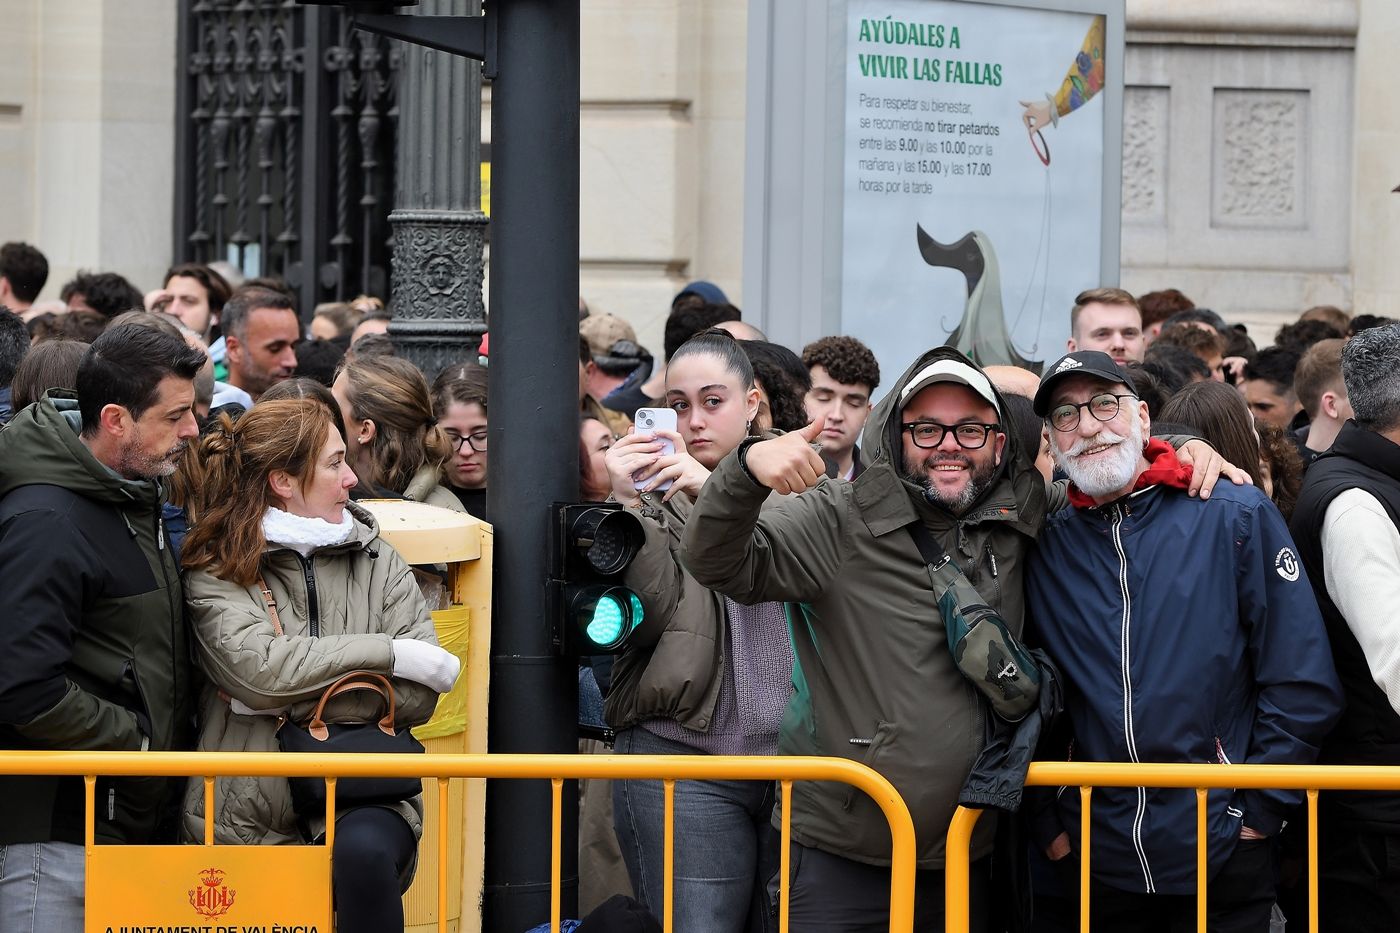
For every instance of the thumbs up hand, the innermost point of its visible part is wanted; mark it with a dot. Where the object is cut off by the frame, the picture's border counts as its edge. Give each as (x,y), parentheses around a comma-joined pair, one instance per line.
(789,463)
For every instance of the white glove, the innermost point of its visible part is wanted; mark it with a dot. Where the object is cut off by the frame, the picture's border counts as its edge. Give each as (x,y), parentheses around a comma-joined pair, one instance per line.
(433,667)
(243,709)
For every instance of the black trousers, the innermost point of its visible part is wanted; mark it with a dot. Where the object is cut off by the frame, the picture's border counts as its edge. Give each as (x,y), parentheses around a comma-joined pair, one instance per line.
(1239,899)
(374,850)
(1358,883)
(830,894)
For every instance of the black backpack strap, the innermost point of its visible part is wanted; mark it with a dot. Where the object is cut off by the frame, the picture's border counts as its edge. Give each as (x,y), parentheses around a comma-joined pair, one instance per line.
(929,548)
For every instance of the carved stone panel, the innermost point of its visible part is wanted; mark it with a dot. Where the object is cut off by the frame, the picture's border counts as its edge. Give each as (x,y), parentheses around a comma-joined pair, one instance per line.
(1146,133)
(1259,167)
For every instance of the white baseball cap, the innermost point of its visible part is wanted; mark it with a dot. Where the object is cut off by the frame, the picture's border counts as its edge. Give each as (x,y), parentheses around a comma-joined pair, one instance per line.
(950,371)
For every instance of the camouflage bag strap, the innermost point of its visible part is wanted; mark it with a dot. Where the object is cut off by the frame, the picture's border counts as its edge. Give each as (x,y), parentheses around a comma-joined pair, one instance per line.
(983,648)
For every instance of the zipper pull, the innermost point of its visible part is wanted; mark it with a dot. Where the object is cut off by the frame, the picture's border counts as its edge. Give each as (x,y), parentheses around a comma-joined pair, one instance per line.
(994,562)
(160,534)
(111,804)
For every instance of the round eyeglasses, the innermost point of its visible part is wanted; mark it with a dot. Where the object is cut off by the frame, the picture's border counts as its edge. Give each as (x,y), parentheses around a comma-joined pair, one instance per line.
(476,442)
(1103,407)
(969,435)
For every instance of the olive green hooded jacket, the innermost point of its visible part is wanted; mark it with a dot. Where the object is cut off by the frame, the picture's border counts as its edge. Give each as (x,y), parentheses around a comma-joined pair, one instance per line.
(93,647)
(873,676)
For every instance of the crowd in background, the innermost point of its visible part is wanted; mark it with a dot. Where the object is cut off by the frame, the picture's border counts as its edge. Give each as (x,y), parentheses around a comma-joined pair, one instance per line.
(759,606)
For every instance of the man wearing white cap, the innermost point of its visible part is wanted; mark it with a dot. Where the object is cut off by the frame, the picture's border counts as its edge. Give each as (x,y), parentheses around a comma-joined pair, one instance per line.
(874,678)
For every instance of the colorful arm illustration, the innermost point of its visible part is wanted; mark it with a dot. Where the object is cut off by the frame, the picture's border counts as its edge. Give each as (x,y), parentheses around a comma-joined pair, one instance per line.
(1084,80)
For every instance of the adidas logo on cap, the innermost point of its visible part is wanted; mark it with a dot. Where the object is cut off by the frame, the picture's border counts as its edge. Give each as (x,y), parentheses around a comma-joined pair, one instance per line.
(1067,363)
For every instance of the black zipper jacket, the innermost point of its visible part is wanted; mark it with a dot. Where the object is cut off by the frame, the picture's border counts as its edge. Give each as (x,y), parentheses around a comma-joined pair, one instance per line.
(93,647)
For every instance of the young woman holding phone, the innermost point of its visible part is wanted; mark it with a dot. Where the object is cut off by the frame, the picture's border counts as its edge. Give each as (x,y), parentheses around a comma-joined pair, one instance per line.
(704,675)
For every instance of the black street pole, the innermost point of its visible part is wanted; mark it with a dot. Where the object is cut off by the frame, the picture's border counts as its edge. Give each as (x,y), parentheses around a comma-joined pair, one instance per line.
(531,51)
(533,440)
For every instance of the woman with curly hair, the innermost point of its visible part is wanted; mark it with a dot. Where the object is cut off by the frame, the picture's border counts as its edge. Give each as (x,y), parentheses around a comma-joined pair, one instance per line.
(782,383)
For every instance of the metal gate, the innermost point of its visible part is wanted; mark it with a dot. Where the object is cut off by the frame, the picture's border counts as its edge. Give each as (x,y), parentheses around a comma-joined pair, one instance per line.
(285,145)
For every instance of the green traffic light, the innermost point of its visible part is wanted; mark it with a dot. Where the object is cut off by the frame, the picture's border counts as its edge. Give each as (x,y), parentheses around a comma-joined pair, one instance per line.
(611,617)
(608,622)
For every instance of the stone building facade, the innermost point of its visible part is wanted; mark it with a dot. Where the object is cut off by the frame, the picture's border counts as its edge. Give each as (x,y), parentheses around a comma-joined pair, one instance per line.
(1260,147)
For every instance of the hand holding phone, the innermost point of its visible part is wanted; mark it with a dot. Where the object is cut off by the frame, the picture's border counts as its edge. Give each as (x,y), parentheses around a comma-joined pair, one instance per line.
(647,422)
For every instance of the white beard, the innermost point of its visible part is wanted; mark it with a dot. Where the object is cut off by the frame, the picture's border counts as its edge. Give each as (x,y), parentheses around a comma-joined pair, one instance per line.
(1109,472)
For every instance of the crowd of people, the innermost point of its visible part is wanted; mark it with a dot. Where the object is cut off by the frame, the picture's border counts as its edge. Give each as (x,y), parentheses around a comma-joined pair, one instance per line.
(1167,546)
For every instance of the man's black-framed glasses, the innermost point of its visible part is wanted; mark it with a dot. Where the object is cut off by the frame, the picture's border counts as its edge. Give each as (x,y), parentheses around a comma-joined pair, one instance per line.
(1104,407)
(970,435)
(476,442)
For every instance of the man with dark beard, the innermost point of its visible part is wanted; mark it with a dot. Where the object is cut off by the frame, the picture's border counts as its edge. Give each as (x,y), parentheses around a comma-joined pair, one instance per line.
(1187,632)
(93,654)
(874,677)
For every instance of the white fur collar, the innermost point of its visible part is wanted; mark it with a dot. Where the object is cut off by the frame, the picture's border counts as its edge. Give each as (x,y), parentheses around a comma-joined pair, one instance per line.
(305,535)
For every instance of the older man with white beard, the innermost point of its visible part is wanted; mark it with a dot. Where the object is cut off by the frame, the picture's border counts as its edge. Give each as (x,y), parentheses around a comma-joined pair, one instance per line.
(1187,632)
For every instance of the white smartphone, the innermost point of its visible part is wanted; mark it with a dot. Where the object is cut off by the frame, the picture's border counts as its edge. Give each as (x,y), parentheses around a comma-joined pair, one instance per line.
(649,421)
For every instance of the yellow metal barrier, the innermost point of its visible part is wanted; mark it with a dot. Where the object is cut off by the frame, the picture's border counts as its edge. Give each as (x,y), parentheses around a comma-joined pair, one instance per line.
(1198,777)
(554,768)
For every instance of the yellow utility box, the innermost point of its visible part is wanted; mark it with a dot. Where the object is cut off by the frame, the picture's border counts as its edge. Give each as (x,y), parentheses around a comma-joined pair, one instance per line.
(430,537)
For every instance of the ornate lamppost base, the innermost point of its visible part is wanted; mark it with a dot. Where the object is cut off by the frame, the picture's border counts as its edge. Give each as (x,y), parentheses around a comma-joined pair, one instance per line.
(438,268)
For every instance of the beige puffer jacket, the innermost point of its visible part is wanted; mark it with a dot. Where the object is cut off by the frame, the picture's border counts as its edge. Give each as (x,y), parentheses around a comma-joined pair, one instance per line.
(426,487)
(361,595)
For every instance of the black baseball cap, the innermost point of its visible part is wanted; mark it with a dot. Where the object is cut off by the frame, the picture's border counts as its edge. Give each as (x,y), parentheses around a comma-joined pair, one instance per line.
(1079,363)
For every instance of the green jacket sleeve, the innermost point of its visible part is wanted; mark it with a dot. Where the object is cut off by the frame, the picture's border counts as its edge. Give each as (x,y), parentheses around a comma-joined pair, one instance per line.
(655,574)
(788,554)
(83,722)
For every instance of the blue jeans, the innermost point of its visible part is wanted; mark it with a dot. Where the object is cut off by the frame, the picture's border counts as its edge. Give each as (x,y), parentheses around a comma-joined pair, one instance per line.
(41,887)
(725,845)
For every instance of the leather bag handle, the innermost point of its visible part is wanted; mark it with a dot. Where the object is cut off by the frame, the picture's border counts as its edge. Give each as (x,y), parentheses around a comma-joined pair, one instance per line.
(355,680)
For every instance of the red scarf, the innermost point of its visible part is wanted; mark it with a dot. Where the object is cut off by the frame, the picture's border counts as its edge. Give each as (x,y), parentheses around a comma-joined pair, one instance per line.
(1163,469)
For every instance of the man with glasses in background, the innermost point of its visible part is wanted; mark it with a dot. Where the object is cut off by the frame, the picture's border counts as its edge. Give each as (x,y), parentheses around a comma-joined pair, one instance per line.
(1186,632)
(874,677)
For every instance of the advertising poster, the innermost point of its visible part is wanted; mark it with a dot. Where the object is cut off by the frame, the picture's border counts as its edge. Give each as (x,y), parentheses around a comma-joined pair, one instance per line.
(973,177)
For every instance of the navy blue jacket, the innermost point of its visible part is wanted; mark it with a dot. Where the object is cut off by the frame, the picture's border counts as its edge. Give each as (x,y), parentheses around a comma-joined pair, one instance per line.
(1186,631)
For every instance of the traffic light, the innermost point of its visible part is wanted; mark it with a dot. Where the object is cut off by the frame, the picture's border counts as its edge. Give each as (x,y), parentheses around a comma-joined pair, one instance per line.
(595,542)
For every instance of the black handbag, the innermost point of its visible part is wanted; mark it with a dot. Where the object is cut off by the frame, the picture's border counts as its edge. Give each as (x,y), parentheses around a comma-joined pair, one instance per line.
(309,794)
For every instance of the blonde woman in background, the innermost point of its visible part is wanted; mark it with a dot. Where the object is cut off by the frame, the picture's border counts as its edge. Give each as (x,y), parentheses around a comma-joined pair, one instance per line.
(392,438)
